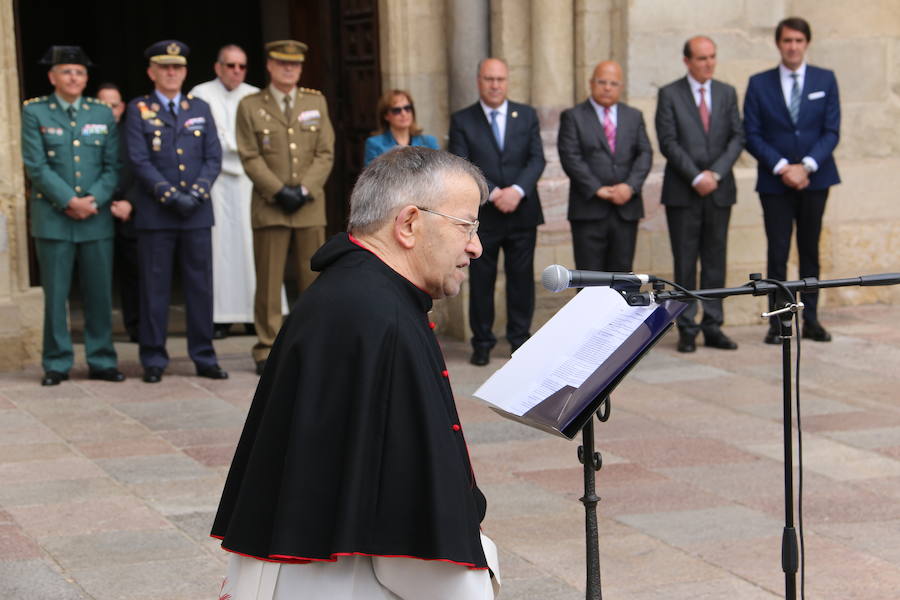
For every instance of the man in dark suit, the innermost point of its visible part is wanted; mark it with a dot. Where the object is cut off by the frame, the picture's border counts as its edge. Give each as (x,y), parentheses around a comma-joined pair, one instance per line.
(700,134)
(175,155)
(603,148)
(503,139)
(792,119)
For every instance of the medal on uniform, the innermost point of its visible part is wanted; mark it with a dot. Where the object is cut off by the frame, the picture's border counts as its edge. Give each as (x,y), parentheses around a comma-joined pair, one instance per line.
(154,107)
(185,105)
(157,144)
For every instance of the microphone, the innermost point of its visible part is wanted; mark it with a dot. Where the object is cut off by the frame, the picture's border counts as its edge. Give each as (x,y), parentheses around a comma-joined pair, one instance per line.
(556,278)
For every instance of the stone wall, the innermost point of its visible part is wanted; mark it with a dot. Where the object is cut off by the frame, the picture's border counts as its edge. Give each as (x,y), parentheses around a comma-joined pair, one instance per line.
(20,306)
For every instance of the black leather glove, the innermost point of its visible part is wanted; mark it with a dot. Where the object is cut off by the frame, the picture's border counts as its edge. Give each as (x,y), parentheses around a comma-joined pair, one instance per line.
(182,203)
(290,198)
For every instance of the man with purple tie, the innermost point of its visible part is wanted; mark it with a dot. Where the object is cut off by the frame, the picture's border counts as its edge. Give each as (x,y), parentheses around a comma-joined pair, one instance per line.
(792,120)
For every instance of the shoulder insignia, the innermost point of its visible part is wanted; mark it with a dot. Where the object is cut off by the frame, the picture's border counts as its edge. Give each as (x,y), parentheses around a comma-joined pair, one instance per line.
(99,101)
(310,91)
(35,99)
(190,96)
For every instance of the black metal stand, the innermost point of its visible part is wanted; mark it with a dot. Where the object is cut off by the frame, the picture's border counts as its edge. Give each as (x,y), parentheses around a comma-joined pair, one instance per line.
(782,298)
(592,462)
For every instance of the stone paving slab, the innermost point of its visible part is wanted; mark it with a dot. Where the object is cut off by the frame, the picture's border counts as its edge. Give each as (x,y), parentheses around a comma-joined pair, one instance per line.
(109,490)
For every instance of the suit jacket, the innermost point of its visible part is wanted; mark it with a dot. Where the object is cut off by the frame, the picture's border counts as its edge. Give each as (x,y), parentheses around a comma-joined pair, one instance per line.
(590,164)
(521,161)
(65,158)
(771,135)
(689,149)
(170,153)
(278,151)
(377,145)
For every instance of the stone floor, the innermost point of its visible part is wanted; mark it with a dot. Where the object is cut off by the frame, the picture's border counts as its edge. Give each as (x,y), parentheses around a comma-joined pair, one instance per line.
(107,490)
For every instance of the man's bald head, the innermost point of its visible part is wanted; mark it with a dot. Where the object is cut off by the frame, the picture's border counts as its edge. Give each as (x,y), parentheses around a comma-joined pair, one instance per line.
(606,83)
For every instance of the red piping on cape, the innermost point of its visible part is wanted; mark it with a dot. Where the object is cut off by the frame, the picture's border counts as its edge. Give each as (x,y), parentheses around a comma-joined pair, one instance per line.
(369,250)
(287,559)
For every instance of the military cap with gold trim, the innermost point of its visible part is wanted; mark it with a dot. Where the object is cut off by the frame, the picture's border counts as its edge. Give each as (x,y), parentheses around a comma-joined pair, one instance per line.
(66,55)
(287,50)
(168,52)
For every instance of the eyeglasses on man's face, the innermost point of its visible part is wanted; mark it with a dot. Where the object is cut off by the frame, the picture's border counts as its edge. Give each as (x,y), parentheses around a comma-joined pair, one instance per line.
(472,228)
(238,66)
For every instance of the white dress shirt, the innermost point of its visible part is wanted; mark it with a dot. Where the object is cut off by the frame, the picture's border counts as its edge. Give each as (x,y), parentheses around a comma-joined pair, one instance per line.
(501,127)
(787,86)
(601,113)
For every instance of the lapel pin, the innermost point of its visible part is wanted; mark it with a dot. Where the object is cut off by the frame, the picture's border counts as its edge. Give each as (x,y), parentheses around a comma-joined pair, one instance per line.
(515,114)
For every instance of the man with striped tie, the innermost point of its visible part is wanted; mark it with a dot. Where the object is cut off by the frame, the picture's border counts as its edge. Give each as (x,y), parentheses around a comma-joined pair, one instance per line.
(792,119)
(604,149)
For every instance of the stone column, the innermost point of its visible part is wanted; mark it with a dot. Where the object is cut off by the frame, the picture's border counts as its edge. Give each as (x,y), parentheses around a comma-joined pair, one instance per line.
(552,54)
(20,306)
(511,41)
(413,46)
(468,24)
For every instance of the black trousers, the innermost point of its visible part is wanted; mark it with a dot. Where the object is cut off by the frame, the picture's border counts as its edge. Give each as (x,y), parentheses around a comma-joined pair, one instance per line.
(604,244)
(699,231)
(125,266)
(780,212)
(158,250)
(518,264)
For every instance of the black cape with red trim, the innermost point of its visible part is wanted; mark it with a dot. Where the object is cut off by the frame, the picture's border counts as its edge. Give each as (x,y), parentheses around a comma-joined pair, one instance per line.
(352,444)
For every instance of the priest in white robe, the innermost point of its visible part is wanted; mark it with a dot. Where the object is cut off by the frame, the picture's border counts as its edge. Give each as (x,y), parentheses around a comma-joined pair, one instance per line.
(234,275)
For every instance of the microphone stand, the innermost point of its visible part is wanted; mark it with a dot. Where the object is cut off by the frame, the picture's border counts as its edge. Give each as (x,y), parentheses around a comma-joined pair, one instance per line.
(783,307)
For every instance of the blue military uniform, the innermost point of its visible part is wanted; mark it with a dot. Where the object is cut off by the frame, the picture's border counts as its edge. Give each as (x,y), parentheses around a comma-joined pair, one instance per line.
(71,150)
(172,155)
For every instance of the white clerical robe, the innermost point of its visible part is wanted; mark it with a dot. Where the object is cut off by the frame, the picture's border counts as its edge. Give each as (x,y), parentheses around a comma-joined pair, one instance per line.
(234,274)
(362,578)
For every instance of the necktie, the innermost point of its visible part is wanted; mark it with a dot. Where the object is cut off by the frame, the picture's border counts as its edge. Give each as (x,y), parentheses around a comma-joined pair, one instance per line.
(795,98)
(287,107)
(704,110)
(71,111)
(609,128)
(495,127)
(172,107)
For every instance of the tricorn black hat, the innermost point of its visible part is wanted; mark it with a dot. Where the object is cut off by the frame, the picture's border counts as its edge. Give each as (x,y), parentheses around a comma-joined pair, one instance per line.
(66,55)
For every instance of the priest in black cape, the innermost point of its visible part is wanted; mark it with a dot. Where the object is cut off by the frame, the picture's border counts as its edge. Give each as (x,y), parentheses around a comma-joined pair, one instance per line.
(352,478)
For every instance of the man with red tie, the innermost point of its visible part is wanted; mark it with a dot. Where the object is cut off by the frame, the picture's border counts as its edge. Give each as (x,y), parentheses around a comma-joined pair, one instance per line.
(700,134)
(792,119)
(604,149)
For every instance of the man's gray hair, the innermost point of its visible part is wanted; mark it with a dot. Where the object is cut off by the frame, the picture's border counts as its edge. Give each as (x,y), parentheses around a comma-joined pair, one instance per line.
(226,48)
(403,176)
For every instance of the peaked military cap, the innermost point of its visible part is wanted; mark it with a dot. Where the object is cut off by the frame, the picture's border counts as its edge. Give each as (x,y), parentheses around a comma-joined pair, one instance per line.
(66,55)
(168,52)
(287,50)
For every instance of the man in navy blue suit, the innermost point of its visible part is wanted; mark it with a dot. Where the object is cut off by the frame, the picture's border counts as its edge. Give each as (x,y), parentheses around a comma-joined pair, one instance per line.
(175,154)
(792,120)
(503,139)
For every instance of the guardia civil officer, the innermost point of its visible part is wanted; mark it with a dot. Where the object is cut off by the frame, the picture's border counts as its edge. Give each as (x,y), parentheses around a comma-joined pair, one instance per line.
(286,144)
(70,148)
(175,154)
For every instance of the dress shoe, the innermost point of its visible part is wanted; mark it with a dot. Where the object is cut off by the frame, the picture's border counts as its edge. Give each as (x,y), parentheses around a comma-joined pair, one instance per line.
(213,372)
(812,330)
(772,336)
(686,343)
(260,366)
(112,374)
(480,357)
(221,330)
(54,377)
(153,375)
(719,340)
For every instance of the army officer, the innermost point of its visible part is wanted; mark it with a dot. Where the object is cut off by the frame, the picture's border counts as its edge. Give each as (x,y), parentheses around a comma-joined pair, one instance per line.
(286,145)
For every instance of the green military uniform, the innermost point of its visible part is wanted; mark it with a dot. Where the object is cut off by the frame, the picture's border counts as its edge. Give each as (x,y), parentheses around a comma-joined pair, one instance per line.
(279,150)
(67,155)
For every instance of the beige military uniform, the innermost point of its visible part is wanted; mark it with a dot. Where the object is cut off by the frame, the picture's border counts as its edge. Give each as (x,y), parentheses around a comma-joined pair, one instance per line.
(278,151)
